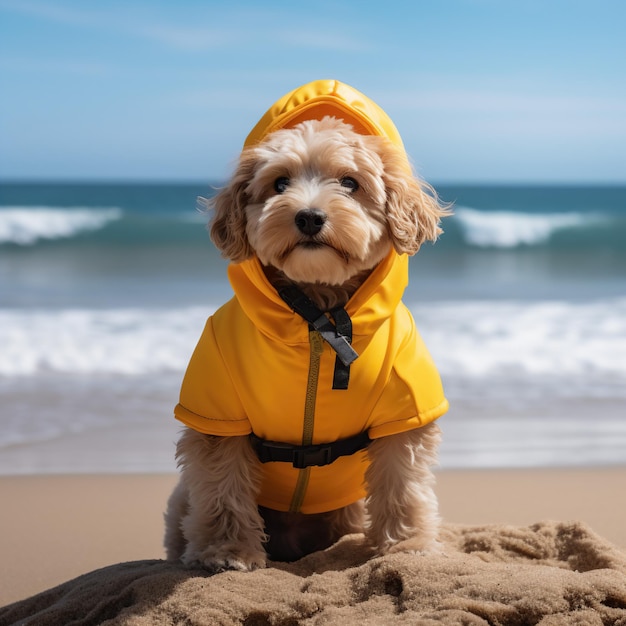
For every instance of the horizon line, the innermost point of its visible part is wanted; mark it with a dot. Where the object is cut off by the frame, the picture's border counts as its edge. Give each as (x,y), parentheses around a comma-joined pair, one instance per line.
(18,180)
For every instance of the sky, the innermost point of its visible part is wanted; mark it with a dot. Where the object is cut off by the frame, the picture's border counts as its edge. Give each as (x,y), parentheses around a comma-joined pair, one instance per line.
(480,90)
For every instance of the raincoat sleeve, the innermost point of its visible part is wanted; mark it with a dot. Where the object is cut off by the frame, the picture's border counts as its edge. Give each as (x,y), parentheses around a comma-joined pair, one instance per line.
(413,395)
(208,399)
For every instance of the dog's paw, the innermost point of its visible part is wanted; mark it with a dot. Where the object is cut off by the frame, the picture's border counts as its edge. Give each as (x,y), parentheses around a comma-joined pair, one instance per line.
(232,563)
(217,559)
(415,545)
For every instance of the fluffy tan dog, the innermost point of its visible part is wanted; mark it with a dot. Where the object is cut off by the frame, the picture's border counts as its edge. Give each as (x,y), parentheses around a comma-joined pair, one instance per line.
(320,206)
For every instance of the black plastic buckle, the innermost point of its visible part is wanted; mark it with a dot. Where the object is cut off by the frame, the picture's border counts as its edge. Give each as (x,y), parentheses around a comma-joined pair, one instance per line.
(306,456)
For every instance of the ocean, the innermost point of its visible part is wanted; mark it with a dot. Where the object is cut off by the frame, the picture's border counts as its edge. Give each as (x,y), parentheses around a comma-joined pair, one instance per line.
(105,288)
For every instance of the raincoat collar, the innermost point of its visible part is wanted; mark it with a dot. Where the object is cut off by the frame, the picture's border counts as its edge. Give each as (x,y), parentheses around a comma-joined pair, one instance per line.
(372,304)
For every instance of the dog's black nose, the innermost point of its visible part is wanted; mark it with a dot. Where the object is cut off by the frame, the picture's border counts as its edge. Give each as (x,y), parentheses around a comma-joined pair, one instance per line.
(310,221)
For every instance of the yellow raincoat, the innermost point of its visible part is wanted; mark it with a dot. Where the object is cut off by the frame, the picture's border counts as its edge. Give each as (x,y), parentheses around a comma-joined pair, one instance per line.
(258,368)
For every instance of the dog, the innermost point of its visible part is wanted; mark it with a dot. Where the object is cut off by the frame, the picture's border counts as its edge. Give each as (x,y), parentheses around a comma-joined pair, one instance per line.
(321,207)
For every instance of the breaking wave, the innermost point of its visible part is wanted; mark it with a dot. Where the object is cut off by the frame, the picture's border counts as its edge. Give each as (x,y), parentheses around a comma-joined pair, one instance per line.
(507,229)
(26,226)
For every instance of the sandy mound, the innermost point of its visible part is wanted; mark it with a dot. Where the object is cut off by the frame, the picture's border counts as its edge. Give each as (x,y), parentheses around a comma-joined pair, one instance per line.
(551,573)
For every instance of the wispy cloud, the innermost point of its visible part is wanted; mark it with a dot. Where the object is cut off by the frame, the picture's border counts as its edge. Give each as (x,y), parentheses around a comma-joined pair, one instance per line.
(322,39)
(77,67)
(53,13)
(250,28)
(492,101)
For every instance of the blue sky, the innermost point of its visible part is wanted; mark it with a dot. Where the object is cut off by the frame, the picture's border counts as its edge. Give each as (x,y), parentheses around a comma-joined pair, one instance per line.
(481,90)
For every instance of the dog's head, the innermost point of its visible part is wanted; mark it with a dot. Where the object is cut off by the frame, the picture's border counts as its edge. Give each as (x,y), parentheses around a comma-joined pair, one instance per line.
(322,203)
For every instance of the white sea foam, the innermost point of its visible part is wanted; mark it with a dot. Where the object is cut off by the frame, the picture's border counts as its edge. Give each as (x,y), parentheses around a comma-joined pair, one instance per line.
(508,229)
(27,225)
(582,341)
(523,379)
(126,342)
(471,339)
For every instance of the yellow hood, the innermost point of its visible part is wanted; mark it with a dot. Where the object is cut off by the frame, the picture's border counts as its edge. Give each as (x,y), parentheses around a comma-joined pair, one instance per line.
(322,98)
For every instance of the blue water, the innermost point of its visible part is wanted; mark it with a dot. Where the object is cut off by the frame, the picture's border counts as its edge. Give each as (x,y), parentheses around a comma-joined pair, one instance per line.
(147,245)
(104,290)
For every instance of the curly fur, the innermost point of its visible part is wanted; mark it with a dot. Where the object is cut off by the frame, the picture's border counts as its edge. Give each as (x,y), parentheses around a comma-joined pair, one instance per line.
(212,517)
(391,207)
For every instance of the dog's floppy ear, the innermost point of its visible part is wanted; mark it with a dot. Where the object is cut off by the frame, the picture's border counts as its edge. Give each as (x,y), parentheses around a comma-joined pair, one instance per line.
(228,228)
(413,208)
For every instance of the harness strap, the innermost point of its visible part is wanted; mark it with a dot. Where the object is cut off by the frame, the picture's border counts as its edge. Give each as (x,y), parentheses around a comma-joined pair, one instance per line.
(338,335)
(305,456)
(343,326)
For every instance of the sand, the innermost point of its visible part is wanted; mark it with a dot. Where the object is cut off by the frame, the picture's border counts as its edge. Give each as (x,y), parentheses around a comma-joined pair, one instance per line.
(519,547)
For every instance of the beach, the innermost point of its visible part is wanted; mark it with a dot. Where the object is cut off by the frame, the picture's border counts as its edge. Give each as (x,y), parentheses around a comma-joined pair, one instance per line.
(56,528)
(104,291)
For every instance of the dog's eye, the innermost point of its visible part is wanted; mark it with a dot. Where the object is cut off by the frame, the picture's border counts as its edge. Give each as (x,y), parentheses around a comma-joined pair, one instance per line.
(349,183)
(281,184)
